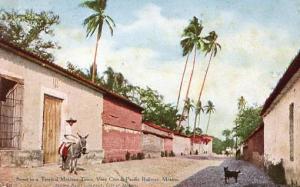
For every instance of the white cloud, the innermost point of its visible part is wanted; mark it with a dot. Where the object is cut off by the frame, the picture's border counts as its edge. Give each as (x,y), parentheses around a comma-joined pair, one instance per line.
(250,54)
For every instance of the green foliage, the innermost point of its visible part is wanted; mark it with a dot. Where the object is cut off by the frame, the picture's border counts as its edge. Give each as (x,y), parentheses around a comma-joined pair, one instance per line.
(134,157)
(191,36)
(29,30)
(127,156)
(95,21)
(247,121)
(155,110)
(162,154)
(220,145)
(172,154)
(140,156)
(217,146)
(276,172)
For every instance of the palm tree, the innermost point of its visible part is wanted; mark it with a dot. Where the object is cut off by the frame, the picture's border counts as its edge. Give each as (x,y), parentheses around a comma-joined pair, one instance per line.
(241,103)
(192,40)
(95,23)
(198,110)
(209,108)
(183,73)
(109,78)
(188,106)
(210,46)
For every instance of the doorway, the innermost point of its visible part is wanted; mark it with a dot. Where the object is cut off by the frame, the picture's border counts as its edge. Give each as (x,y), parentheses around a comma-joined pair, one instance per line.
(51,128)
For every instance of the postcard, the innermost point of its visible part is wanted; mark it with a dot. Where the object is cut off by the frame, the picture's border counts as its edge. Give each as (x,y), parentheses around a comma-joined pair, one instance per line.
(112,93)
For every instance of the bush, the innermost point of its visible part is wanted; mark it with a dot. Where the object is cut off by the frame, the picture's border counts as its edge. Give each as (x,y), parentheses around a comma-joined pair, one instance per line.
(196,152)
(276,172)
(166,154)
(140,156)
(127,156)
(162,154)
(172,154)
(133,157)
(190,152)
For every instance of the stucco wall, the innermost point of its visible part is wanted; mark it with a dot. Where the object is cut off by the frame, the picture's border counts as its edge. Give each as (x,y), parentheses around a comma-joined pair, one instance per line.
(181,145)
(117,141)
(254,149)
(118,113)
(152,145)
(168,144)
(79,102)
(276,132)
(121,130)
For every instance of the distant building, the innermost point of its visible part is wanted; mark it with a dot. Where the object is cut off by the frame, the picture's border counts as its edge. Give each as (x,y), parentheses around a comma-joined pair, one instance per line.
(253,147)
(281,116)
(202,143)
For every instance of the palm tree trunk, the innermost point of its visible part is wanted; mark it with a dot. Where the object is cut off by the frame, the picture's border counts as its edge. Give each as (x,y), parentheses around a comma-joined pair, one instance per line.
(182,77)
(95,58)
(207,123)
(194,131)
(204,79)
(189,85)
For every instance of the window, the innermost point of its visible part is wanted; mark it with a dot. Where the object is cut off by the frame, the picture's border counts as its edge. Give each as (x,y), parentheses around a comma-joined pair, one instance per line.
(291,117)
(11,102)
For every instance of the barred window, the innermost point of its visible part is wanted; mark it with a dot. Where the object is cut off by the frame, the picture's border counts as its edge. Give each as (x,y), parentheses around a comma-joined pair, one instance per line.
(291,129)
(11,102)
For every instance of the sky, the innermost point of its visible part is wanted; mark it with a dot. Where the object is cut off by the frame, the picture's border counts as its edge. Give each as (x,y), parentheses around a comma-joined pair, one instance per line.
(258,38)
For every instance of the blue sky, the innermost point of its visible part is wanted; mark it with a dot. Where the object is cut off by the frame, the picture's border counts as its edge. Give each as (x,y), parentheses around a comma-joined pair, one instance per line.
(258,38)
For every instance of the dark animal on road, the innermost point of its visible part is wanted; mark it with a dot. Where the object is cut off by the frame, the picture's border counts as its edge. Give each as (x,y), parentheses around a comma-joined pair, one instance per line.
(231,174)
(71,152)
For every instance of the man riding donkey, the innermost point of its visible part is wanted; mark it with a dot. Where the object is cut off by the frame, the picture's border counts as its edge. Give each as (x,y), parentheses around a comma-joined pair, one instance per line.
(71,150)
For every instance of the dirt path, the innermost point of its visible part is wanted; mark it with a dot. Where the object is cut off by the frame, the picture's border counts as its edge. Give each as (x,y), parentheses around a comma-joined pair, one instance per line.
(213,176)
(148,172)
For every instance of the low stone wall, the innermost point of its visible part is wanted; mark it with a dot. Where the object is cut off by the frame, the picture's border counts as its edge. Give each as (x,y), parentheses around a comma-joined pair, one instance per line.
(34,158)
(20,158)
(152,145)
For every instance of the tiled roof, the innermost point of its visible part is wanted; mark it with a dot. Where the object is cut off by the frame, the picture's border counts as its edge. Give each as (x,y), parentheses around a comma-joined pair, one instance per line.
(58,69)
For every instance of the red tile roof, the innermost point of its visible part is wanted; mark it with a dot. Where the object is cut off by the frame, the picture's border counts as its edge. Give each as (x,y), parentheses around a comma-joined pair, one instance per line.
(150,124)
(58,69)
(292,69)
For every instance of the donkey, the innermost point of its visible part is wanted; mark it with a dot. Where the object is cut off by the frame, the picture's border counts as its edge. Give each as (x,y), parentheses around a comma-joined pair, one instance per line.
(71,152)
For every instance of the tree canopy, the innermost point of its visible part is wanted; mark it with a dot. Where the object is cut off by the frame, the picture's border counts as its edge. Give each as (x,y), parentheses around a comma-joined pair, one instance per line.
(155,109)
(30,30)
(247,119)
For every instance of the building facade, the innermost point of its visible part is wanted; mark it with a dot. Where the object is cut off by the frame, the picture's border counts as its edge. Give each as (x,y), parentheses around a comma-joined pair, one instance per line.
(281,116)
(37,97)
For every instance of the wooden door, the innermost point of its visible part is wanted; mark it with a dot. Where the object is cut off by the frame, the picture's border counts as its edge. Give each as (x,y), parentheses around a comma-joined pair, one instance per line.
(51,128)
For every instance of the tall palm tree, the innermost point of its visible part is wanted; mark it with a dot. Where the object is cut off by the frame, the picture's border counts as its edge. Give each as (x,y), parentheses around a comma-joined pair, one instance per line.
(210,46)
(198,110)
(95,23)
(192,40)
(183,73)
(209,108)
(241,103)
(188,106)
